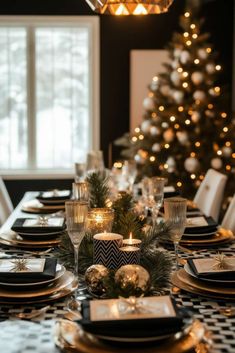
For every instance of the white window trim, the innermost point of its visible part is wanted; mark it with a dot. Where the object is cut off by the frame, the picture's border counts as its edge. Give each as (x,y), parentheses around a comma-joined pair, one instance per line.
(93,23)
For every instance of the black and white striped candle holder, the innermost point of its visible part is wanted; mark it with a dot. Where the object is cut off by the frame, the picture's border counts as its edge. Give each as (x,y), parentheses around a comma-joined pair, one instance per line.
(107,249)
(129,255)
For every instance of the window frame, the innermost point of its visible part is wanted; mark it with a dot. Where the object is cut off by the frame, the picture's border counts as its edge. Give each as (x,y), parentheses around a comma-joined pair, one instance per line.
(30,23)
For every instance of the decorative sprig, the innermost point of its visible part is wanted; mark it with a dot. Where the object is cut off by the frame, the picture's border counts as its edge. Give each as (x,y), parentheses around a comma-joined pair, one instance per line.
(98,189)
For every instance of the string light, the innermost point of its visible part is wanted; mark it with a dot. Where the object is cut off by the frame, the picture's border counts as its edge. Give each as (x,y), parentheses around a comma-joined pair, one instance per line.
(224,115)
(137,129)
(193,176)
(233,155)
(165,166)
(152,159)
(197,144)
(180,108)
(117,165)
(179,184)
(161,108)
(218,67)
(195,36)
(217,89)
(187,122)
(134,139)
(228,167)
(155,78)
(193,26)
(154,115)
(151,94)
(186,34)
(141,137)
(210,106)
(180,69)
(167,145)
(190,112)
(196,61)
(227,143)
(197,101)
(219,152)
(225,129)
(193,154)
(208,50)
(185,84)
(188,43)
(185,74)
(176,126)
(201,177)
(187,14)
(172,118)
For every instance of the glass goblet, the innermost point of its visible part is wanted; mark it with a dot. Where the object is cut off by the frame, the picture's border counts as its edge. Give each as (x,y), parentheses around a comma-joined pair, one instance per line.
(80,172)
(76,214)
(175,212)
(81,191)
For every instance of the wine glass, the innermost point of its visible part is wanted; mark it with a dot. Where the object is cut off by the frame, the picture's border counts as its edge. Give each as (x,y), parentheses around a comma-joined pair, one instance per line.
(81,191)
(147,196)
(80,172)
(76,214)
(157,192)
(175,212)
(129,171)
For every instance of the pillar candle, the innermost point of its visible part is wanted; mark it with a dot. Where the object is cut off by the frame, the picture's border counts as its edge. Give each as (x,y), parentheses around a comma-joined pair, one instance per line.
(106,249)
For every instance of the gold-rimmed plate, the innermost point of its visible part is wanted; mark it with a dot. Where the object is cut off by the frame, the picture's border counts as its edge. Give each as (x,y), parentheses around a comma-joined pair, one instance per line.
(64,281)
(12,238)
(60,270)
(69,335)
(220,237)
(183,281)
(34,206)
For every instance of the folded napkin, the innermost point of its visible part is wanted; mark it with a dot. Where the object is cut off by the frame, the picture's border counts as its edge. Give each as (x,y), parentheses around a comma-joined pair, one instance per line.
(24,270)
(219,267)
(200,224)
(54,195)
(148,317)
(39,225)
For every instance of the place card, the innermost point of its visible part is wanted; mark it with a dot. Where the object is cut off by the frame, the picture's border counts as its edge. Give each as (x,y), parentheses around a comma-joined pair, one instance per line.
(196,222)
(49,222)
(22,265)
(147,308)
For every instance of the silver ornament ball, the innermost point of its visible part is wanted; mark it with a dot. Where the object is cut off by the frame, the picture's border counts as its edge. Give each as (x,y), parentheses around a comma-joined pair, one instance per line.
(148,103)
(216,163)
(191,164)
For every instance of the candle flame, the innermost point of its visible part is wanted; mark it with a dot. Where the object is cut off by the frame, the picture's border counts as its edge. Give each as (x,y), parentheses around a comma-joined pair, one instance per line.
(99,218)
(130,237)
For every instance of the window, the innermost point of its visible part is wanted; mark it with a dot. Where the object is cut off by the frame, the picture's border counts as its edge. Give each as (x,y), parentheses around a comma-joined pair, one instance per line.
(49,79)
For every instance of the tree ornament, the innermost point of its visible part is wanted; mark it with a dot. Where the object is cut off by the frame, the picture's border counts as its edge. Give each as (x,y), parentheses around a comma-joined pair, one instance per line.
(134,276)
(168,135)
(182,137)
(154,131)
(156,147)
(175,78)
(213,92)
(195,117)
(154,84)
(185,57)
(191,164)
(94,278)
(210,68)
(141,156)
(148,103)
(216,163)
(202,54)
(227,151)
(177,52)
(165,125)
(178,96)
(165,90)
(145,126)
(199,95)
(197,77)
(171,164)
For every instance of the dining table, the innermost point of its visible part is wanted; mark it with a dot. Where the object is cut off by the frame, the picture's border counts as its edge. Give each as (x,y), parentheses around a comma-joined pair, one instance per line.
(36,335)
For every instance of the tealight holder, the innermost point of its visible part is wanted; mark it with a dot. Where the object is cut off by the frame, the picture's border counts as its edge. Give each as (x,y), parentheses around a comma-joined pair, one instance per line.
(106,249)
(129,255)
(99,220)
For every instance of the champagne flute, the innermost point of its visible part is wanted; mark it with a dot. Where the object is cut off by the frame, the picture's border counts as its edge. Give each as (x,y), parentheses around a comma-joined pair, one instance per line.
(175,212)
(81,191)
(129,171)
(76,214)
(157,191)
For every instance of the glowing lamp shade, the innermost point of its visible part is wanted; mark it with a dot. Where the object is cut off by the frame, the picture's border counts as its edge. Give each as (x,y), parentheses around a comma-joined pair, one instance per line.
(129,7)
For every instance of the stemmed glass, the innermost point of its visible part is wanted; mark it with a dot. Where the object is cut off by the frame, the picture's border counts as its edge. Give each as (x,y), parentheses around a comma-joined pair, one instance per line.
(76,214)
(81,191)
(157,192)
(80,172)
(129,171)
(175,212)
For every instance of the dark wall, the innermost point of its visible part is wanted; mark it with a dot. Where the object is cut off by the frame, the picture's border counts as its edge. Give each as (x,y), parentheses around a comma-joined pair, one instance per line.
(119,35)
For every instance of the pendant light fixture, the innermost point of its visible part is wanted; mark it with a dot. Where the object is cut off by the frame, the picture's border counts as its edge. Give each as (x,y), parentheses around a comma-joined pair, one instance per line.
(129,7)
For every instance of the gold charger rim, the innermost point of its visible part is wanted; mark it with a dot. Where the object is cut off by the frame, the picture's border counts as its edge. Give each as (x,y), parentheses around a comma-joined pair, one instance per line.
(222,235)
(64,281)
(87,343)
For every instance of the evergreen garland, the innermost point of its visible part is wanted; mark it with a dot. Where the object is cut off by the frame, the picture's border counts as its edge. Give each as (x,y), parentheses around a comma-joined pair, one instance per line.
(98,189)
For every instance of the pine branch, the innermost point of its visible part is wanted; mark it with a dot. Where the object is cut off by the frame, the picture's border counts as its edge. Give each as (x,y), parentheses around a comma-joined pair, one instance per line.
(98,188)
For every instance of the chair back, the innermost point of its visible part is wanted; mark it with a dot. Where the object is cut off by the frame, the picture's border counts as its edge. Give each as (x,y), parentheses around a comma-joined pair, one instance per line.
(228,221)
(210,193)
(6,206)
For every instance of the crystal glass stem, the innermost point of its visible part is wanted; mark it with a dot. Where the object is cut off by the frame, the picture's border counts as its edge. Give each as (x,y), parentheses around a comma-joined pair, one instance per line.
(176,246)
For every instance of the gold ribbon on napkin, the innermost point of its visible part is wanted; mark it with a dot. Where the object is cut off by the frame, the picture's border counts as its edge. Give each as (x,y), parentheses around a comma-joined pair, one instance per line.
(134,305)
(20,265)
(221,262)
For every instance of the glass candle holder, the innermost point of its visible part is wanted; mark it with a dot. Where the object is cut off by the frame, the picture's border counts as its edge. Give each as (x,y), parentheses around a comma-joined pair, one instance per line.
(99,220)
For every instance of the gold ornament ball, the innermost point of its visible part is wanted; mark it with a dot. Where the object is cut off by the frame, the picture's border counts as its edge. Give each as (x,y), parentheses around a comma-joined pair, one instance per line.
(94,278)
(133,275)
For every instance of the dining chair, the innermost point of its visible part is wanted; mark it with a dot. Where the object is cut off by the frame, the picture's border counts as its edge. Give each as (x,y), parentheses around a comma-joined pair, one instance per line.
(228,221)
(209,195)
(6,206)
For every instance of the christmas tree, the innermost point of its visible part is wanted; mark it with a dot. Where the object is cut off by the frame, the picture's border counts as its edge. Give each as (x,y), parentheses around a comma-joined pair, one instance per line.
(185,130)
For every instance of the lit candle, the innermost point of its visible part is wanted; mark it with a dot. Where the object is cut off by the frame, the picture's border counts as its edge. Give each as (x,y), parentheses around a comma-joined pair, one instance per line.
(131,241)
(100,220)
(129,255)
(106,249)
